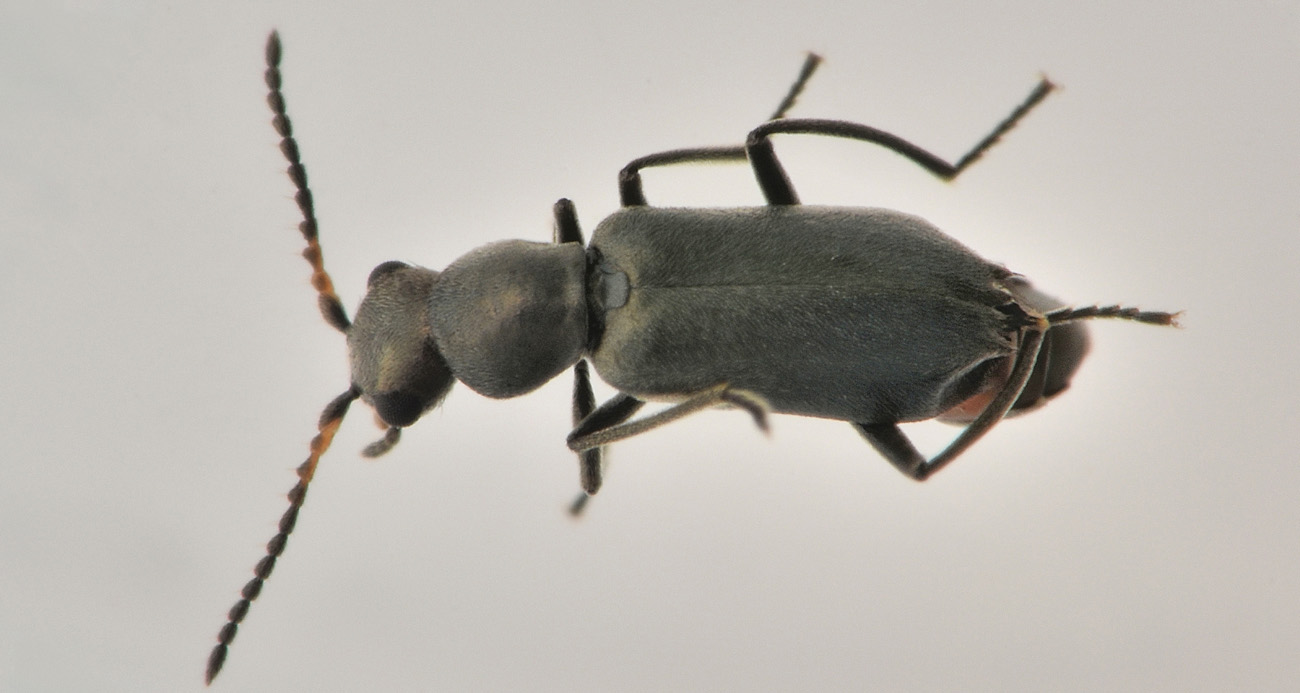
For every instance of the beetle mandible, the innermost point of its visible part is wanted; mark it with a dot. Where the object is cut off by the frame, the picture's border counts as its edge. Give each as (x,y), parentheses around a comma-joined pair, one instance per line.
(864,315)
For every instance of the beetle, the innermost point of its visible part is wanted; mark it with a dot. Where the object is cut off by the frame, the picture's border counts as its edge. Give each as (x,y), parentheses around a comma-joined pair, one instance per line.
(863,315)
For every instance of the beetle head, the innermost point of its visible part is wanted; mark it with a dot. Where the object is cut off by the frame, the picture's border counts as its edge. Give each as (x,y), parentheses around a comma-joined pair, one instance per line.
(395,361)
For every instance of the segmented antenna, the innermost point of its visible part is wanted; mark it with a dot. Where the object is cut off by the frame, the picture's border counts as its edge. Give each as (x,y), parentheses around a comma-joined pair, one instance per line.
(330,419)
(330,305)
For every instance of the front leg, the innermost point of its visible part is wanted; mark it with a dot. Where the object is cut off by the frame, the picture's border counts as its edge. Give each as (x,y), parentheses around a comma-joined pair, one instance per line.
(591,461)
(567,230)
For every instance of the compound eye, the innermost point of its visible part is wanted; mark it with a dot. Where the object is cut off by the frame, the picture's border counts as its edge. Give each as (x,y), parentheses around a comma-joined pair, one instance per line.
(383,269)
(425,382)
(398,408)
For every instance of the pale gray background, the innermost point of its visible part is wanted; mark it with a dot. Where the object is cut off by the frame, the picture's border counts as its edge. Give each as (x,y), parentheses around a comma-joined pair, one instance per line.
(162,362)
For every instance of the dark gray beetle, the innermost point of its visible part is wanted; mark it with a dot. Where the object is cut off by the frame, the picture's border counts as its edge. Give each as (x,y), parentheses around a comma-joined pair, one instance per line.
(863,315)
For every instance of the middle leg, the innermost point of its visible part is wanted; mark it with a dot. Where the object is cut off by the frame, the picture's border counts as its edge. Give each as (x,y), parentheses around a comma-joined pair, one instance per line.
(630,191)
(594,432)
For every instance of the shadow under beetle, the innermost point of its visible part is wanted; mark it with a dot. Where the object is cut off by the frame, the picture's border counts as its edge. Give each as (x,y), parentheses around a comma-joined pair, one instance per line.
(864,315)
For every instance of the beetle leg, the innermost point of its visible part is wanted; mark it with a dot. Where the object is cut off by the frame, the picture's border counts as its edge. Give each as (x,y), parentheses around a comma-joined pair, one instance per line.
(567,230)
(810,63)
(776,184)
(607,424)
(590,462)
(612,412)
(566,223)
(772,178)
(592,433)
(630,191)
(1150,317)
(894,445)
